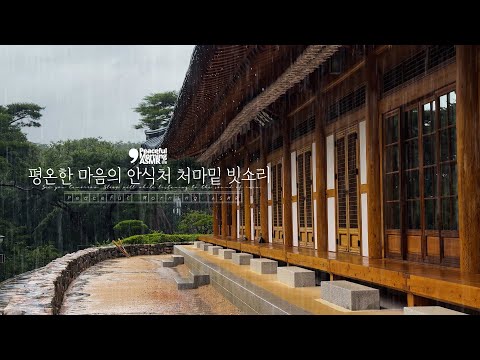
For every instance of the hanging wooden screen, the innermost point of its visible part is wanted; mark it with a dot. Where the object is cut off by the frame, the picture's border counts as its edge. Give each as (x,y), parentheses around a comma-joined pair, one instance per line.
(348,236)
(304,185)
(277,210)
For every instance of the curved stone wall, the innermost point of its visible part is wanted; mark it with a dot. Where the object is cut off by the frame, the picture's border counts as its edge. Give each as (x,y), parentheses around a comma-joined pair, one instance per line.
(40,292)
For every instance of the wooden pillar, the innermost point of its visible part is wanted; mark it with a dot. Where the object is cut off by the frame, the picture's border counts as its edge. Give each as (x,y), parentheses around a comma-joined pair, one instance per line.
(234,211)
(264,188)
(321,174)
(215,219)
(287,185)
(415,300)
(374,198)
(224,204)
(468,157)
(246,204)
(215,214)
(234,201)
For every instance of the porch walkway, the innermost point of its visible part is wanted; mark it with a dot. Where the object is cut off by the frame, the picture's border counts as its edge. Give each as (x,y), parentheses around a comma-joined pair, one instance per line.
(417,280)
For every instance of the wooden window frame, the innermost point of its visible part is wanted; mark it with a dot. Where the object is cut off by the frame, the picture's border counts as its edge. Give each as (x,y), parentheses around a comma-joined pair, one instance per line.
(423,232)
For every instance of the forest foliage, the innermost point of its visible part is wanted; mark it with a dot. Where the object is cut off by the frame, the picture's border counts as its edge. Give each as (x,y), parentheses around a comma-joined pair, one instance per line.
(39,225)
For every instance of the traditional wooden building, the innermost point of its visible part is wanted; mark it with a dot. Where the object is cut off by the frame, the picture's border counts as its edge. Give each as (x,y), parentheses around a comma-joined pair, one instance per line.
(373,154)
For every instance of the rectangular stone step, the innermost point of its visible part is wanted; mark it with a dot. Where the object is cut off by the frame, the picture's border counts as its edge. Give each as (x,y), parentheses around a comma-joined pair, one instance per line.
(226,253)
(178,259)
(185,283)
(213,250)
(263,266)
(242,258)
(200,278)
(168,263)
(430,310)
(198,244)
(350,295)
(295,276)
(205,246)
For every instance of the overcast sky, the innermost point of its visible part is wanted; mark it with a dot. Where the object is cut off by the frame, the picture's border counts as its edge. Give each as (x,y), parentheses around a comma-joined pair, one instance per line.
(89,91)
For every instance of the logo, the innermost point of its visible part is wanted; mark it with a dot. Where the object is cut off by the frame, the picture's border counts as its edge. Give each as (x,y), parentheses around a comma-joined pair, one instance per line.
(149,156)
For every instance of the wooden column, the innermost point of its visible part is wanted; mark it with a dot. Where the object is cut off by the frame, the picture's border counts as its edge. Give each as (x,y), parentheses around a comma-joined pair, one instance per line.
(415,300)
(264,188)
(224,204)
(215,214)
(246,195)
(374,198)
(287,184)
(234,212)
(234,202)
(215,219)
(468,157)
(321,174)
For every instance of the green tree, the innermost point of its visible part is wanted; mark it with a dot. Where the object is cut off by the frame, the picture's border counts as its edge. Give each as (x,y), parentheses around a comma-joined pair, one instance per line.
(128,228)
(196,222)
(156,110)
(21,114)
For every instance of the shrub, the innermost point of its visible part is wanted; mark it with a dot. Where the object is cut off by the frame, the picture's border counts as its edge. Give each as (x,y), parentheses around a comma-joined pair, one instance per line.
(156,238)
(196,222)
(128,228)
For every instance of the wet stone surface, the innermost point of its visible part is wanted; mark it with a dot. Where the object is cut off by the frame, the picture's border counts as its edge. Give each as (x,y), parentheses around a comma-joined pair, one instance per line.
(140,285)
(41,291)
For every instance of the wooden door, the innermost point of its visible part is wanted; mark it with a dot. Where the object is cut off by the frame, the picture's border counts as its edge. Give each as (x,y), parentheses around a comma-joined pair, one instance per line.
(348,235)
(277,206)
(305,207)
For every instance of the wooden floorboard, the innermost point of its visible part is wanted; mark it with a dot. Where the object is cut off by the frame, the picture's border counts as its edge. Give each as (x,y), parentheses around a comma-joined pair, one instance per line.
(426,280)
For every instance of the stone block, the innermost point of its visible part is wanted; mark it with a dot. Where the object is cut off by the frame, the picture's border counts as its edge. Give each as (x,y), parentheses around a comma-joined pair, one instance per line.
(295,276)
(213,250)
(225,253)
(168,263)
(185,283)
(177,260)
(242,258)
(205,246)
(350,295)
(198,244)
(200,278)
(263,266)
(430,310)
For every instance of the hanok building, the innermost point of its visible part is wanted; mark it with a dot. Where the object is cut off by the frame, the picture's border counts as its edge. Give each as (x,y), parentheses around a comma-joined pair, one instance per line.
(373,156)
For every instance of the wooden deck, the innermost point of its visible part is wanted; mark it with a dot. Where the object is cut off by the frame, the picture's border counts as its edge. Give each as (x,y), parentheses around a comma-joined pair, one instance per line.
(417,280)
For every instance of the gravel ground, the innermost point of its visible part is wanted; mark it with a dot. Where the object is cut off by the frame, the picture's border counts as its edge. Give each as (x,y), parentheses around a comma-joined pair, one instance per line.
(139,285)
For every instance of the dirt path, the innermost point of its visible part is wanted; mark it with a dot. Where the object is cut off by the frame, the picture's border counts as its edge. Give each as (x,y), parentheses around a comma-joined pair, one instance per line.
(139,285)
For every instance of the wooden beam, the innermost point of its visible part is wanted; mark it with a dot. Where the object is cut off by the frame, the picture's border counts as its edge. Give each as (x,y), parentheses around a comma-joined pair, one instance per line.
(246,200)
(224,200)
(287,184)
(374,199)
(321,174)
(468,157)
(264,188)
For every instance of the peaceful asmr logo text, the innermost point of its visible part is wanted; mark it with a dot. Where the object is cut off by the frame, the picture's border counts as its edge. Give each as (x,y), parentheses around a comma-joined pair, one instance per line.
(149,156)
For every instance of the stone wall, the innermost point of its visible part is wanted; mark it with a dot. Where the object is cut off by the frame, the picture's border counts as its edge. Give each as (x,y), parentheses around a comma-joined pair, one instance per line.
(40,292)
